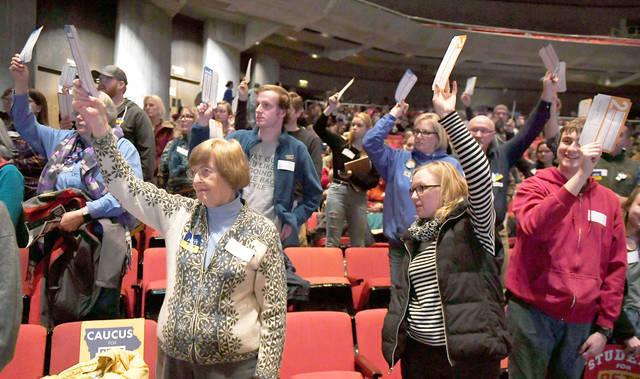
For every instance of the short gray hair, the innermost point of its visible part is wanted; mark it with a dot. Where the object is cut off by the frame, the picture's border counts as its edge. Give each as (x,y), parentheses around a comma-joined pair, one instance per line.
(6,145)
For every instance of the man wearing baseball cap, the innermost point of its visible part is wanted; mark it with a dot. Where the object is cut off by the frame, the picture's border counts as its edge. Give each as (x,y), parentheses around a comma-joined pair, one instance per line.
(134,122)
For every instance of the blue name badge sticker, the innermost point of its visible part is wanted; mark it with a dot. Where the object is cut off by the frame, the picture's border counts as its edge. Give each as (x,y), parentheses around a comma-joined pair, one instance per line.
(191,242)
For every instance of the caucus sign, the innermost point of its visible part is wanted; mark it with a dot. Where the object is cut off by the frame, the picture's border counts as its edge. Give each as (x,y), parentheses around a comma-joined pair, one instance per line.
(99,336)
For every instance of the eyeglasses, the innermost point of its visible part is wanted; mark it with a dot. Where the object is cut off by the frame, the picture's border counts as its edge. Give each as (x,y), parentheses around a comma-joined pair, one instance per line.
(186,117)
(419,132)
(203,172)
(421,188)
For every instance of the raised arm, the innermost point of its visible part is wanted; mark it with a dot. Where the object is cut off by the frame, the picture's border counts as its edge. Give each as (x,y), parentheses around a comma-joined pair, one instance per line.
(320,127)
(241,109)
(536,121)
(373,142)
(475,165)
(149,204)
(200,130)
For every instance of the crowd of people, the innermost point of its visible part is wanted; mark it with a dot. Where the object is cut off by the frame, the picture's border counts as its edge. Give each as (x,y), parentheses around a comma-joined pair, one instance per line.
(507,238)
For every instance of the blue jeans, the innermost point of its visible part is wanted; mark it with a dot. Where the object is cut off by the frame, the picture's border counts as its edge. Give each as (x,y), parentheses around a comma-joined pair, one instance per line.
(543,346)
(346,205)
(634,318)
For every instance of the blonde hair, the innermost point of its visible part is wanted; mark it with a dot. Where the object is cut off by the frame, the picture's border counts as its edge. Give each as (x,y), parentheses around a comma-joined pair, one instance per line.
(453,187)
(366,119)
(433,119)
(159,103)
(230,160)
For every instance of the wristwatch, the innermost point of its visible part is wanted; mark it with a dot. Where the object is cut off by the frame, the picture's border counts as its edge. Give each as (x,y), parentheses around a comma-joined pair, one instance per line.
(604,331)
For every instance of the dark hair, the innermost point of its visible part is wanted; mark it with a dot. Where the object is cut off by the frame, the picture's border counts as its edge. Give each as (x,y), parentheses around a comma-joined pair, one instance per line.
(41,101)
(229,83)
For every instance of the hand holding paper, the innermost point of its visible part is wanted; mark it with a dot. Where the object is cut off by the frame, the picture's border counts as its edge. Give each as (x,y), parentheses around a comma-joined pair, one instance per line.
(444,100)
(92,110)
(549,87)
(345,88)
(20,74)
(243,90)
(247,75)
(407,82)
(399,110)
(448,62)
(553,65)
(205,113)
(69,71)
(332,104)
(209,85)
(606,116)
(84,72)
(27,50)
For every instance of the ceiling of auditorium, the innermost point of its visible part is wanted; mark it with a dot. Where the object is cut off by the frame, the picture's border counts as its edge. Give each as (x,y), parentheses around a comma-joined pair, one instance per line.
(379,39)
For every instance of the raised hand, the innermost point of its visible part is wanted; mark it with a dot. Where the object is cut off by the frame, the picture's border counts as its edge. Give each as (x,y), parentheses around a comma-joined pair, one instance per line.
(205,112)
(243,90)
(92,111)
(466,99)
(549,87)
(444,99)
(399,110)
(20,74)
(332,104)
(591,153)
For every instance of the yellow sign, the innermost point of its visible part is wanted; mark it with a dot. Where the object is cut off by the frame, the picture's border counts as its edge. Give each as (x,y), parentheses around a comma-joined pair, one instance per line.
(99,336)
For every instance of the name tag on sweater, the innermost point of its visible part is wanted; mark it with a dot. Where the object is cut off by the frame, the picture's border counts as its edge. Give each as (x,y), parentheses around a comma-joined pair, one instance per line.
(182,150)
(348,153)
(598,217)
(286,165)
(632,257)
(239,250)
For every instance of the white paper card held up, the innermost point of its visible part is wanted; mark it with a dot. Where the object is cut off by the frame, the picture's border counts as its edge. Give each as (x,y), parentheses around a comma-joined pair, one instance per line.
(449,60)
(562,77)
(64,102)
(606,115)
(209,85)
(583,107)
(67,75)
(407,82)
(27,50)
(549,58)
(247,75)
(345,88)
(83,67)
(471,85)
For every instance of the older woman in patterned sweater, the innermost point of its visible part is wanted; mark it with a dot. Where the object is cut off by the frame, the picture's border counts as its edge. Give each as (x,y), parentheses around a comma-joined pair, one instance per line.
(225,307)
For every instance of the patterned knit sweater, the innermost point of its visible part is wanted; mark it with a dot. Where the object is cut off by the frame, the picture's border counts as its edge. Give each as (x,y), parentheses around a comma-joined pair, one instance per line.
(231,310)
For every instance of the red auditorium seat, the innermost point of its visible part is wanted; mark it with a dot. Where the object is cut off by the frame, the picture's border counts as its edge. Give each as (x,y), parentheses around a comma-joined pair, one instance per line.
(129,280)
(154,275)
(320,345)
(368,270)
(29,356)
(65,346)
(369,337)
(323,267)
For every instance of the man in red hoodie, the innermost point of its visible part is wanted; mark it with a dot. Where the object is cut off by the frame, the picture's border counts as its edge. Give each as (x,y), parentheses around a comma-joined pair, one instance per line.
(566,274)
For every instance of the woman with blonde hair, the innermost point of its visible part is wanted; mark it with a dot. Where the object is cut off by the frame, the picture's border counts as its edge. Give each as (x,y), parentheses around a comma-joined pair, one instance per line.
(446,317)
(347,194)
(224,311)
(173,173)
(162,128)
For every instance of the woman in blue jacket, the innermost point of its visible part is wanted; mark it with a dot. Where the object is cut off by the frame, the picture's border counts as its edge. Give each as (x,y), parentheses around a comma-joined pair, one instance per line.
(396,167)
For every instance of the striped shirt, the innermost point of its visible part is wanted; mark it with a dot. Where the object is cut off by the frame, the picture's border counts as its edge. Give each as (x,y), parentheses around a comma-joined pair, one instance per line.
(426,318)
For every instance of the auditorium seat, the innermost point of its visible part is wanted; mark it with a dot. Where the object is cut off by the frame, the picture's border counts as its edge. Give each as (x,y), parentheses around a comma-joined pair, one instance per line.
(369,337)
(29,356)
(368,271)
(65,346)
(154,283)
(323,267)
(320,344)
